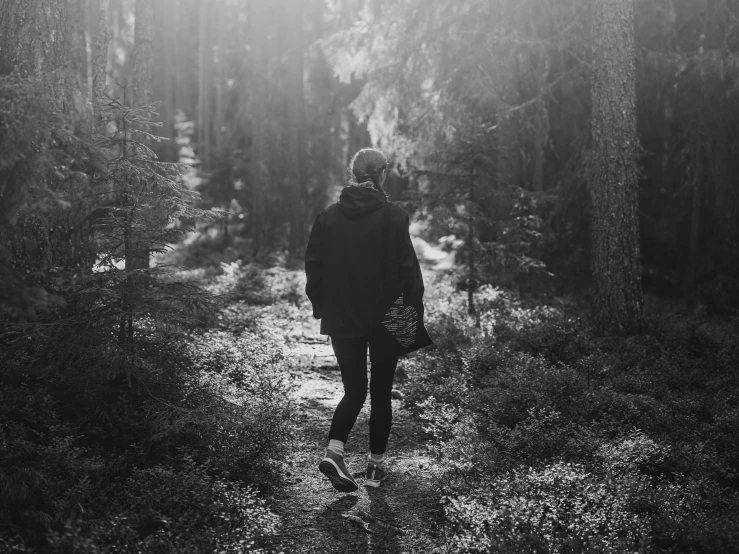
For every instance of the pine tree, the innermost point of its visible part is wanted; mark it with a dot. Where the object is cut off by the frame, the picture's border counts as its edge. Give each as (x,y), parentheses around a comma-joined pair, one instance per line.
(617,303)
(296,128)
(148,198)
(259,101)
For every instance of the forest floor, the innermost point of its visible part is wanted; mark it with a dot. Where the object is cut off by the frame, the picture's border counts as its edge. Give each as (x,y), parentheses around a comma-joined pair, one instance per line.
(513,418)
(403,515)
(399,516)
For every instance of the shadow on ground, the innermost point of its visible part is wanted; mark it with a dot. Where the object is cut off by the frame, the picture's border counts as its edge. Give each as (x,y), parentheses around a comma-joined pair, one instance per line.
(397,517)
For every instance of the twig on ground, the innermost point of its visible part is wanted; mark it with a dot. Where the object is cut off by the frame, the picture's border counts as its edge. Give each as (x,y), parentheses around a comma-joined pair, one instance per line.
(383,521)
(359,521)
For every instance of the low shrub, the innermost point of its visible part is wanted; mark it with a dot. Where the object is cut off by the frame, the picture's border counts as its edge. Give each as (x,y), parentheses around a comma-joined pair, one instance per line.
(236,408)
(164,509)
(557,508)
(144,445)
(552,439)
(258,286)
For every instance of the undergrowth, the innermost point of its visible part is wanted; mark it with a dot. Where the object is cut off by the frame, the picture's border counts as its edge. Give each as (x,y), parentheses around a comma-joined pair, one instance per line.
(166,445)
(553,440)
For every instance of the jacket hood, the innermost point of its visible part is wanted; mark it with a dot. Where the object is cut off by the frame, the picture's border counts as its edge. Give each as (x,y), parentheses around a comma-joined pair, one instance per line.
(356,201)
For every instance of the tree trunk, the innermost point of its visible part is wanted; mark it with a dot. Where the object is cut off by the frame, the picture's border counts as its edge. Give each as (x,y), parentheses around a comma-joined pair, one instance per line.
(259,104)
(205,65)
(725,231)
(100,58)
(117,69)
(296,127)
(541,125)
(507,166)
(541,131)
(78,44)
(143,65)
(143,94)
(220,107)
(617,303)
(164,61)
(696,179)
(471,279)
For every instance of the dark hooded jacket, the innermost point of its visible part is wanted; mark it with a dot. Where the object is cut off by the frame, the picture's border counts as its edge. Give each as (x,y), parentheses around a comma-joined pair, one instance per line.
(347,268)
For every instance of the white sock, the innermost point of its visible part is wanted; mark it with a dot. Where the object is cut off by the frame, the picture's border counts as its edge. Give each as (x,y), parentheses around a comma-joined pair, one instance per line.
(377,459)
(337,447)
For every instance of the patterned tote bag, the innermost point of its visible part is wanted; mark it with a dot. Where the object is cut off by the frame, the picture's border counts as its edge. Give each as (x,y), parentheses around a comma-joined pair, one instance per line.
(402,322)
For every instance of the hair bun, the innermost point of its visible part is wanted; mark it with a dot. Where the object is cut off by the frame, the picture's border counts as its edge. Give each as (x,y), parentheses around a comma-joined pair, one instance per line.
(368,165)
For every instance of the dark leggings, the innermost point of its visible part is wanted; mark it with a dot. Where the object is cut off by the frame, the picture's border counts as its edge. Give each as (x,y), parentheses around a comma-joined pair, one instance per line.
(351,354)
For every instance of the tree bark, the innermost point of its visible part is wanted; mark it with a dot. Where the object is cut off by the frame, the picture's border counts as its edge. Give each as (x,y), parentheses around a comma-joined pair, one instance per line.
(296,127)
(617,303)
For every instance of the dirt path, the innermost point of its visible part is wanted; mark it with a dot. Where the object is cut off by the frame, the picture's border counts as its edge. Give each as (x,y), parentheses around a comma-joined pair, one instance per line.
(400,516)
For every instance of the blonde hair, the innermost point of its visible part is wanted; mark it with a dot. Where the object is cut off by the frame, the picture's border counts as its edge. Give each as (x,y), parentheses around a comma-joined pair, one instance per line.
(367,166)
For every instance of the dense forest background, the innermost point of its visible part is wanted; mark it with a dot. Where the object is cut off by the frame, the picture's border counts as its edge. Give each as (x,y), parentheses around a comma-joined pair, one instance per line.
(162,161)
(482,106)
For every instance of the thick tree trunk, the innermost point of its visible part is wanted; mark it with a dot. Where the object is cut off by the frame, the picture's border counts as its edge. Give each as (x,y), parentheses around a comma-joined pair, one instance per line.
(617,303)
(296,127)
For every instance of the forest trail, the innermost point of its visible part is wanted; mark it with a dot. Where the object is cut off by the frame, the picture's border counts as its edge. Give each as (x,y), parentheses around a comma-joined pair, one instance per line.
(398,517)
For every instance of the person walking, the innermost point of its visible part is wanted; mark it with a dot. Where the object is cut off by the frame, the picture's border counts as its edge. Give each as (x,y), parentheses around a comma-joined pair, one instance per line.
(366,287)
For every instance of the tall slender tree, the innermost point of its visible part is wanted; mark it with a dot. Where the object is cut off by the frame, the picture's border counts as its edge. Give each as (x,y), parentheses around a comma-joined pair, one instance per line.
(258,111)
(137,250)
(143,56)
(617,305)
(220,101)
(296,125)
(165,16)
(205,65)
(78,44)
(100,57)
